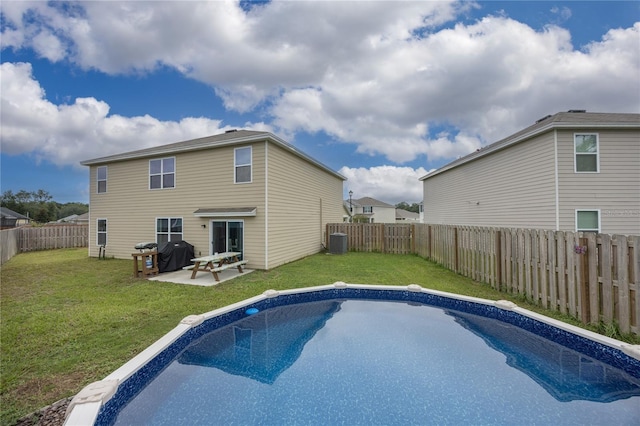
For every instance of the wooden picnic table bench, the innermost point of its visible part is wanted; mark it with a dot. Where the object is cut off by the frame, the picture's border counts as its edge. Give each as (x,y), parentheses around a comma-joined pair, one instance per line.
(216,263)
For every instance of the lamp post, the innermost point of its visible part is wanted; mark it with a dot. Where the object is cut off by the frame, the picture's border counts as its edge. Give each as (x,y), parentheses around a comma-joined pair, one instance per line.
(350,207)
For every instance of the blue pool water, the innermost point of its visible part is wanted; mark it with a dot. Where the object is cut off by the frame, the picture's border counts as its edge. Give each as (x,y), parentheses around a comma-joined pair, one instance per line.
(340,361)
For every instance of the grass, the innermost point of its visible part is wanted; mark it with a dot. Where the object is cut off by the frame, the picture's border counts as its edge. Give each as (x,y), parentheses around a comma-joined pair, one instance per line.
(68,320)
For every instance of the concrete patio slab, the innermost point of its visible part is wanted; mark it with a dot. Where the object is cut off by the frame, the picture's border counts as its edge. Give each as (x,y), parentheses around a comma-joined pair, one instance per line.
(204,279)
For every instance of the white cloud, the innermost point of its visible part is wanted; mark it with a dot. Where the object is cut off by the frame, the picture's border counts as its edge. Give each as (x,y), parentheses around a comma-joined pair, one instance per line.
(390,184)
(69,133)
(563,13)
(380,75)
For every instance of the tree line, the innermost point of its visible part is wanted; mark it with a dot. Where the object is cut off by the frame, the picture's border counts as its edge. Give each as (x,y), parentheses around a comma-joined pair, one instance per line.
(39,205)
(415,207)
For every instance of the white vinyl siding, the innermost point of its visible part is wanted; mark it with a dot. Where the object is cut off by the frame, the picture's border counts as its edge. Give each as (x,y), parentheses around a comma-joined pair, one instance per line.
(242,164)
(615,190)
(586,153)
(162,173)
(205,182)
(302,196)
(302,200)
(514,187)
(588,220)
(101,179)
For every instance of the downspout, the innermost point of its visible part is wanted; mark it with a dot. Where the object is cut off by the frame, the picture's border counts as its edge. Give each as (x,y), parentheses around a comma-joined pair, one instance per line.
(557,190)
(266,205)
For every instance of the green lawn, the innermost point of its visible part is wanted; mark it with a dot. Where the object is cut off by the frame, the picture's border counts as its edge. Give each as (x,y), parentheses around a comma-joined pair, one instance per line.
(68,320)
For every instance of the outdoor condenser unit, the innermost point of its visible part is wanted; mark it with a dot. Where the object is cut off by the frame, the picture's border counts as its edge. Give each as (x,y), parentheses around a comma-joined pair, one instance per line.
(338,243)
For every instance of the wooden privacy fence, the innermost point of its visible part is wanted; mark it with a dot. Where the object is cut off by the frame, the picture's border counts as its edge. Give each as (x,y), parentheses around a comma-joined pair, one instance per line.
(592,277)
(378,237)
(52,237)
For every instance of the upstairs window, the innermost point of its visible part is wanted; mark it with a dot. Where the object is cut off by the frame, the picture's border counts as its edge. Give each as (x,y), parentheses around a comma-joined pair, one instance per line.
(101,179)
(367,209)
(162,173)
(242,163)
(586,153)
(168,229)
(101,237)
(588,220)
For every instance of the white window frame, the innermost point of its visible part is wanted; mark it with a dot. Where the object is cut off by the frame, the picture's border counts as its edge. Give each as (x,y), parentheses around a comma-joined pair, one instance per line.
(98,180)
(367,209)
(168,233)
(589,230)
(98,232)
(163,173)
(236,164)
(576,154)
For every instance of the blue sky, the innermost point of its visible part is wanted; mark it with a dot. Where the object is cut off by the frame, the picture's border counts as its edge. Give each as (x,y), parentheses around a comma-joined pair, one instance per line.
(382,92)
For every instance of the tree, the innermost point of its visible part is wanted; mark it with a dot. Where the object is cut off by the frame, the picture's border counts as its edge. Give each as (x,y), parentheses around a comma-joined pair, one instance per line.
(36,205)
(69,209)
(415,207)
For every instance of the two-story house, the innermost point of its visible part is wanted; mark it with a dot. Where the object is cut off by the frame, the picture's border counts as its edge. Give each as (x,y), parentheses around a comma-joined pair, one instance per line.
(573,171)
(370,210)
(227,192)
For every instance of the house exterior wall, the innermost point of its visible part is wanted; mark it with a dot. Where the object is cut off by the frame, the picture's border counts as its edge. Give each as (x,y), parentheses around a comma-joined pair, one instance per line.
(203,179)
(301,199)
(384,214)
(514,187)
(294,199)
(517,186)
(614,190)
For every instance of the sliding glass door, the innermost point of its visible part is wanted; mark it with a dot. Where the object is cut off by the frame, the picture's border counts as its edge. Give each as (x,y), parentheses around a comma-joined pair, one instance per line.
(227,235)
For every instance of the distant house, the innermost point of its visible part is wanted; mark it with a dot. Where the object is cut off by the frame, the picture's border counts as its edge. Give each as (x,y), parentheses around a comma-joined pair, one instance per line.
(227,192)
(573,171)
(10,219)
(405,216)
(76,219)
(370,210)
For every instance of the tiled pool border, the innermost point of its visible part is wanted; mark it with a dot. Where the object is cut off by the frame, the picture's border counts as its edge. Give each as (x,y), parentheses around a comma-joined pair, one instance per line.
(100,402)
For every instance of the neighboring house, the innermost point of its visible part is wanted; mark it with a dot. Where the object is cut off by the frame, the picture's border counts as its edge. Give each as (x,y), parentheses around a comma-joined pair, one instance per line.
(11,219)
(227,192)
(370,210)
(405,216)
(75,219)
(570,171)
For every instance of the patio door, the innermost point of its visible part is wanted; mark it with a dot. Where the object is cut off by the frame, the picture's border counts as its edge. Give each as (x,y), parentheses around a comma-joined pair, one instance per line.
(227,235)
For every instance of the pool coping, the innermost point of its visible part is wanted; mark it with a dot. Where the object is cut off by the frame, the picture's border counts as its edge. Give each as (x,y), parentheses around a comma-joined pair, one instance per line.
(85,407)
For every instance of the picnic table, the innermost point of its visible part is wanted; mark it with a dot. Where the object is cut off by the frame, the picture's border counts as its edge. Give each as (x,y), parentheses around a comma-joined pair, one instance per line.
(216,263)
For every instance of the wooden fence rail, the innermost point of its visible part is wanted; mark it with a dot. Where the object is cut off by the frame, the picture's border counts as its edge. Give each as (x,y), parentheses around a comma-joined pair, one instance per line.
(29,238)
(53,237)
(592,277)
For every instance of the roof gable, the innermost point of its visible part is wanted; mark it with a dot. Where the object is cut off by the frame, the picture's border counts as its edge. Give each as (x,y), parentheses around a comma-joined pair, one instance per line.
(368,201)
(229,138)
(8,213)
(570,119)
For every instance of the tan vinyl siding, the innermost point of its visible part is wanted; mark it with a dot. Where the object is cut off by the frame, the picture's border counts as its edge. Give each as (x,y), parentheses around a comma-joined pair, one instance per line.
(204,179)
(302,198)
(615,190)
(514,187)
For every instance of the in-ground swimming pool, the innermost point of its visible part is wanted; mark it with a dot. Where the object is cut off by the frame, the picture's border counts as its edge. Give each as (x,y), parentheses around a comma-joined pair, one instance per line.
(361,356)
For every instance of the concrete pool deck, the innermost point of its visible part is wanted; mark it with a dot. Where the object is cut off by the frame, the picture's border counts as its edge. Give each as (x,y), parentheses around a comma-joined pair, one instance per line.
(204,279)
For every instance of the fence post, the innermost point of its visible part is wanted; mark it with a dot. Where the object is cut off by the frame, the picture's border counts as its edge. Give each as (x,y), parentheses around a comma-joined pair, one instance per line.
(456,249)
(412,235)
(584,283)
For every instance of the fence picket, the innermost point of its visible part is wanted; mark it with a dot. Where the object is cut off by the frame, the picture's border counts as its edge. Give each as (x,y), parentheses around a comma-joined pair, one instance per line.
(588,276)
(622,271)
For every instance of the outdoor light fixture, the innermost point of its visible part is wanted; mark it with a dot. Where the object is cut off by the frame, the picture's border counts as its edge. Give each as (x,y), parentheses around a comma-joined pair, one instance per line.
(204,225)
